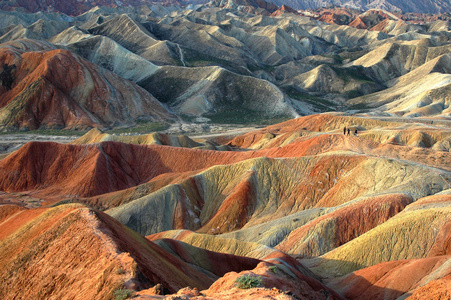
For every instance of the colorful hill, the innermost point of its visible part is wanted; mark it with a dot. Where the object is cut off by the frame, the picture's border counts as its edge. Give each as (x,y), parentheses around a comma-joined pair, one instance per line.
(301,207)
(43,95)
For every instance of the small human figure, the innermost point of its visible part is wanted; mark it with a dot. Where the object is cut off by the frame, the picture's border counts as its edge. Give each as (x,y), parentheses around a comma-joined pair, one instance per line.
(344,130)
(349,131)
(355,132)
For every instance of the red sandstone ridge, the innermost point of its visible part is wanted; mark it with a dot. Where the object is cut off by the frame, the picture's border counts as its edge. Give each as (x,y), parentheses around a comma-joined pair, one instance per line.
(307,131)
(58,89)
(12,217)
(283,10)
(354,18)
(88,170)
(330,18)
(358,23)
(339,16)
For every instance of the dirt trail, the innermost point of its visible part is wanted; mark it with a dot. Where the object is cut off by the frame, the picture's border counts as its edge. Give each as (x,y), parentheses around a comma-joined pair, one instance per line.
(12,142)
(231,132)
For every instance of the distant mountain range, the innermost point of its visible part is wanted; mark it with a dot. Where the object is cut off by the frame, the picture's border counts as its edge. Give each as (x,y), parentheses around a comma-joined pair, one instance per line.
(76,7)
(417,6)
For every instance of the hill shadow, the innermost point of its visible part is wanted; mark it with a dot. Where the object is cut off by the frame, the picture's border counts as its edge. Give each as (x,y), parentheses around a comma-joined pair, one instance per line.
(356,287)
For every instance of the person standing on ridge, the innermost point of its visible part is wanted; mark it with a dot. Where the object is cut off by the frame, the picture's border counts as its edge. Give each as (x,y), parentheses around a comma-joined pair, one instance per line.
(349,131)
(355,132)
(344,130)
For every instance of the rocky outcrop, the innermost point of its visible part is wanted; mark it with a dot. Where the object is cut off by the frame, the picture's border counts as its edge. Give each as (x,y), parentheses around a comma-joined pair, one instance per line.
(272,277)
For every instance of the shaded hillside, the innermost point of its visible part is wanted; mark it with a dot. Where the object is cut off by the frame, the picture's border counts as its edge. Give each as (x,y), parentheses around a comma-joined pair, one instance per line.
(197,91)
(134,37)
(417,277)
(108,54)
(156,138)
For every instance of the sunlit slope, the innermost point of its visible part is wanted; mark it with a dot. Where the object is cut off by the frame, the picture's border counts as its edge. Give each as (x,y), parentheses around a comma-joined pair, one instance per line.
(216,243)
(324,133)
(132,35)
(214,90)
